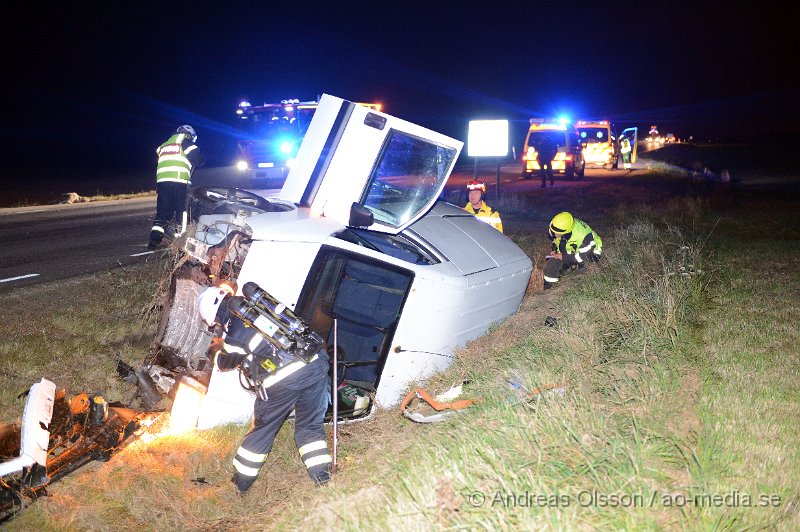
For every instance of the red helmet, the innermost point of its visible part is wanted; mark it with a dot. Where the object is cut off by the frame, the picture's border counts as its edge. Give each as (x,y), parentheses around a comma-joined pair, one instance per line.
(477,185)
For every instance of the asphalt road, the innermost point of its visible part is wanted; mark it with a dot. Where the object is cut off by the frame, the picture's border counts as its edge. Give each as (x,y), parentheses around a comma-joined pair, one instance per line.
(48,243)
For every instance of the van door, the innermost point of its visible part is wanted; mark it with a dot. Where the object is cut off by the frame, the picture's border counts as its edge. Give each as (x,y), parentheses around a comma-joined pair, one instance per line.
(366,298)
(354,154)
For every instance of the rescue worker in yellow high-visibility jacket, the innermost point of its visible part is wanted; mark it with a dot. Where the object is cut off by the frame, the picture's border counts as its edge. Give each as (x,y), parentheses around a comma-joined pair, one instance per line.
(478,207)
(177,157)
(625,149)
(574,244)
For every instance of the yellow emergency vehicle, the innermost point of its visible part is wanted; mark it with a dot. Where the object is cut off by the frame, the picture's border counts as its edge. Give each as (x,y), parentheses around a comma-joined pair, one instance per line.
(597,138)
(569,159)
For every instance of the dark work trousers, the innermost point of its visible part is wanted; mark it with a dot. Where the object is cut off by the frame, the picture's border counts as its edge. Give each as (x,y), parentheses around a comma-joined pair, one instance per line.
(170,204)
(307,392)
(553,268)
(545,172)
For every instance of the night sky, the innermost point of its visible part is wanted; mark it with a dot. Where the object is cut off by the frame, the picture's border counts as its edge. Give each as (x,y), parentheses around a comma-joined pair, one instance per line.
(100,85)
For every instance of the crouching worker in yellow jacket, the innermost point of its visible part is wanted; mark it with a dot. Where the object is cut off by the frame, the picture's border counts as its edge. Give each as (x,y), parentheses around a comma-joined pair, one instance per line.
(574,244)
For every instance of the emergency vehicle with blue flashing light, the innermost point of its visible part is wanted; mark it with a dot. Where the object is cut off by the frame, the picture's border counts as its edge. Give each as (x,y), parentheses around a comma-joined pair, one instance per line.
(271,134)
(598,140)
(569,158)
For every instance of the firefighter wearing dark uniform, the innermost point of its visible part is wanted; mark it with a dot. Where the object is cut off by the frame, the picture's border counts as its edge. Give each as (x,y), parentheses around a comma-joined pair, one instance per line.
(574,244)
(177,157)
(546,151)
(296,385)
(478,207)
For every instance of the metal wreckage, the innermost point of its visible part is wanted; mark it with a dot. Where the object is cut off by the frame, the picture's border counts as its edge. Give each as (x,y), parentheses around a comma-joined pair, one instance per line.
(356,253)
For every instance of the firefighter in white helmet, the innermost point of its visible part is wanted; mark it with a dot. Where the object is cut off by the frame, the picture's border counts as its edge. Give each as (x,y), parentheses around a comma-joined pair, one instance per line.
(477,190)
(178,156)
(302,387)
(574,244)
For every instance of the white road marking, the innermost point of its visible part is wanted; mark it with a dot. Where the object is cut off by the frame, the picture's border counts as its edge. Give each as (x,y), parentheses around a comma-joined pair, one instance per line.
(142,253)
(17,278)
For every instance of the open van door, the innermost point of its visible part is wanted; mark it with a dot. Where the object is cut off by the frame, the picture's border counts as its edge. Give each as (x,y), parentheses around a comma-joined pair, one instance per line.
(631,133)
(355,155)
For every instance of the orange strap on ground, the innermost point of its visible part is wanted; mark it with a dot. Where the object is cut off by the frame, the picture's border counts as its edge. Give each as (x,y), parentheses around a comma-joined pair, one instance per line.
(436,405)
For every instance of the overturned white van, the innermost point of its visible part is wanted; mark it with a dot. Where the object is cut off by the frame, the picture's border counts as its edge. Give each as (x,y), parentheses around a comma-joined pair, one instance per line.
(357,237)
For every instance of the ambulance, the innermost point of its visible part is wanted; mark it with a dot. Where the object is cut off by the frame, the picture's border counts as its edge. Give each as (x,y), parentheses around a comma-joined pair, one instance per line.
(597,138)
(569,159)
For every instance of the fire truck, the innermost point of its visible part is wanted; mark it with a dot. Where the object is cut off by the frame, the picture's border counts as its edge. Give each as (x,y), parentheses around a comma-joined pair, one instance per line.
(270,135)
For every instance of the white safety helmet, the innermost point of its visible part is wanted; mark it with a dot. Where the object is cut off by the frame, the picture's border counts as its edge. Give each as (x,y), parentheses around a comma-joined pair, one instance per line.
(189,130)
(209,300)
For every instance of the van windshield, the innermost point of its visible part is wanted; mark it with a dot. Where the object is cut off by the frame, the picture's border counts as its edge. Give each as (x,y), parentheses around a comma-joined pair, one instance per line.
(559,138)
(410,173)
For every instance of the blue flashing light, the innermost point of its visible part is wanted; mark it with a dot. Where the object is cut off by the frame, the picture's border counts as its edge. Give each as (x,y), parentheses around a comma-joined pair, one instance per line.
(286,147)
(563,120)
(244,103)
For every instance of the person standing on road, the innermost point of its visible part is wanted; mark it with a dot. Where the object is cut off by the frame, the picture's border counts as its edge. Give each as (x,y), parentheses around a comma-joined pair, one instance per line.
(546,150)
(177,157)
(476,190)
(574,243)
(287,383)
(625,150)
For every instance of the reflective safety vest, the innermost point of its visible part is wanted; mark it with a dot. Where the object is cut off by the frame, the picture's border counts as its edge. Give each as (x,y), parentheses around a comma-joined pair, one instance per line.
(625,146)
(173,163)
(486,214)
(579,241)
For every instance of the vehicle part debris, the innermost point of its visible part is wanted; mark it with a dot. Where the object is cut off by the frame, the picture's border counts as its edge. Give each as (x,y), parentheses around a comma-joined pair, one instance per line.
(444,408)
(524,394)
(58,436)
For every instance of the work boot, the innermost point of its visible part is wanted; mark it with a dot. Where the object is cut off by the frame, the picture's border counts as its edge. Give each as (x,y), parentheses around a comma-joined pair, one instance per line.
(242,483)
(548,285)
(152,245)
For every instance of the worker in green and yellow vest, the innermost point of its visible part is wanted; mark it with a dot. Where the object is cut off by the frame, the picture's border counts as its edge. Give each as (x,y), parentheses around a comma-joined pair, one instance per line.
(574,244)
(625,149)
(177,157)
(478,207)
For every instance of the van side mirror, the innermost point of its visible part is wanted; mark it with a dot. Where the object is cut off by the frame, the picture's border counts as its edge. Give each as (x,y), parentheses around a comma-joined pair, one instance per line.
(360,216)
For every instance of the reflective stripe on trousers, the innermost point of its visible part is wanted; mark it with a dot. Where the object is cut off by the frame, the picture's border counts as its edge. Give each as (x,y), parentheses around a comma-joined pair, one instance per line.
(314,455)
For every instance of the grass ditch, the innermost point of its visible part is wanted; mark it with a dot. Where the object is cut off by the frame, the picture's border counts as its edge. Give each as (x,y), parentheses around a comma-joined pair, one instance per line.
(677,385)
